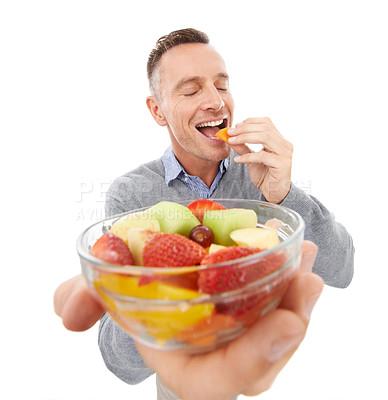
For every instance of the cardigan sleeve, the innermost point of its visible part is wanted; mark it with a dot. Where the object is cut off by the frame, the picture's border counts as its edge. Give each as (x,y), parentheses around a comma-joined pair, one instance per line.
(335,258)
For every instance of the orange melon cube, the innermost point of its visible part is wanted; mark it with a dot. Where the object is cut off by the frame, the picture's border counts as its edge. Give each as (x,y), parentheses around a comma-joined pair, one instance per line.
(223,134)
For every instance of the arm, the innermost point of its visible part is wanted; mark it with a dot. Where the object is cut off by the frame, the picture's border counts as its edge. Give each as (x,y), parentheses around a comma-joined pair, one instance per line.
(270,171)
(335,258)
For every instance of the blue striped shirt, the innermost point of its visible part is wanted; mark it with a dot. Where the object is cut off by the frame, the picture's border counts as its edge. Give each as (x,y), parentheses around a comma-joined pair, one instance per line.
(174,170)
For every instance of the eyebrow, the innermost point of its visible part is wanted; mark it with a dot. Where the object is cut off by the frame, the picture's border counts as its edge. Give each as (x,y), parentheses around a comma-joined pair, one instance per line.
(194,79)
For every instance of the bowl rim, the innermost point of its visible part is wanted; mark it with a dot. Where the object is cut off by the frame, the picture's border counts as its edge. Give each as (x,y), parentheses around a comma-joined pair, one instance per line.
(142,270)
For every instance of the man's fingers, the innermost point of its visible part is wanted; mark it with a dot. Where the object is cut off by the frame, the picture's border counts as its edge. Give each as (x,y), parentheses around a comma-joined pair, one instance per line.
(309,252)
(249,364)
(305,282)
(254,135)
(241,149)
(266,380)
(81,310)
(271,160)
(311,286)
(270,341)
(63,292)
(288,325)
(262,121)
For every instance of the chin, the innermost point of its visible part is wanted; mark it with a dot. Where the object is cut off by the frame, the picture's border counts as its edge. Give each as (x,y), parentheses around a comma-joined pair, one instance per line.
(219,155)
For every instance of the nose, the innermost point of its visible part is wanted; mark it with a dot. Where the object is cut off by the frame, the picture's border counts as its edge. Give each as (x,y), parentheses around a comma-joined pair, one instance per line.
(212,100)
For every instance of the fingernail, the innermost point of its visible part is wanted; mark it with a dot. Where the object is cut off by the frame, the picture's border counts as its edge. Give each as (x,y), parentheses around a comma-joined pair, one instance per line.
(232,139)
(309,306)
(237,158)
(231,130)
(282,346)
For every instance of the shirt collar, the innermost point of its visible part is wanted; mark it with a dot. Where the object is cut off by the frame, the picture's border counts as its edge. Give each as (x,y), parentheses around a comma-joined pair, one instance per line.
(173,168)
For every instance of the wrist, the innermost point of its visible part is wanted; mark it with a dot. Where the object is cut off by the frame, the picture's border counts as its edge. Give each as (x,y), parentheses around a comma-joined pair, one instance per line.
(277,193)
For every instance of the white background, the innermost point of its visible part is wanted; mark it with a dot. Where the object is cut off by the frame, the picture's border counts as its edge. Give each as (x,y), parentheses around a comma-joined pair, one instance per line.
(73,117)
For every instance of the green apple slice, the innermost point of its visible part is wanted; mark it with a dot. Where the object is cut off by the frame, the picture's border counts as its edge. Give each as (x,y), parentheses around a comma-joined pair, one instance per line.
(262,238)
(174,218)
(223,222)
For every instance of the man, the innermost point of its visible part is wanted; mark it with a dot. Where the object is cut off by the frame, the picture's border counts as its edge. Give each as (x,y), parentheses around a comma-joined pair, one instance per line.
(190,96)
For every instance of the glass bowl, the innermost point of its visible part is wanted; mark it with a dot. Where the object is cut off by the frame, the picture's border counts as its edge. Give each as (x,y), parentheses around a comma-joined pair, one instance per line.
(161,307)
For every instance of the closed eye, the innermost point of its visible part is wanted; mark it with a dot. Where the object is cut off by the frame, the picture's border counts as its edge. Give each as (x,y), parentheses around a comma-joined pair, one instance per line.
(191,94)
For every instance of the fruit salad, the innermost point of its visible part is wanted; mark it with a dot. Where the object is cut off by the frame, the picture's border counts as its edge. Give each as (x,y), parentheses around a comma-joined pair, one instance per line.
(188,255)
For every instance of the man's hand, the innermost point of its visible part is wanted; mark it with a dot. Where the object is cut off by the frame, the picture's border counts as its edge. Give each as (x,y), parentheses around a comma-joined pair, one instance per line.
(269,168)
(249,364)
(75,304)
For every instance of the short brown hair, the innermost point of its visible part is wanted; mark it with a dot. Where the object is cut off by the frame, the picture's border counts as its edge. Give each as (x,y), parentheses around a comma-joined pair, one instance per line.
(165,43)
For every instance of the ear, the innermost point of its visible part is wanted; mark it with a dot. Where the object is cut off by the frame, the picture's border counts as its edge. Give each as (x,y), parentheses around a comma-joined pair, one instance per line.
(156,111)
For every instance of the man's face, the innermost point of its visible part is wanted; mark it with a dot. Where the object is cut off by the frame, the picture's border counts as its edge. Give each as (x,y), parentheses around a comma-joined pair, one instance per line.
(195,101)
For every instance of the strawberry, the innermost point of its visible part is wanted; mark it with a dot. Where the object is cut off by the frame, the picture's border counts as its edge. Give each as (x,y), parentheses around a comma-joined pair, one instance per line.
(237,275)
(198,207)
(215,280)
(228,253)
(171,250)
(271,263)
(112,249)
(248,308)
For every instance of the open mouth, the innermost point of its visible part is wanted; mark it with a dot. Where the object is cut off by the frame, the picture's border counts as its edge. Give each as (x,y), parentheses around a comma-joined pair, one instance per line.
(210,128)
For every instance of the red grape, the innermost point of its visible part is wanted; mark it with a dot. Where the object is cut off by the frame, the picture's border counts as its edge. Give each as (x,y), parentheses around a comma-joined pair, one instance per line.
(203,235)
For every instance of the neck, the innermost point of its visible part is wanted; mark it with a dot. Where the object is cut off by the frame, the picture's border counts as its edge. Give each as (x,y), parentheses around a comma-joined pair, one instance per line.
(205,170)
